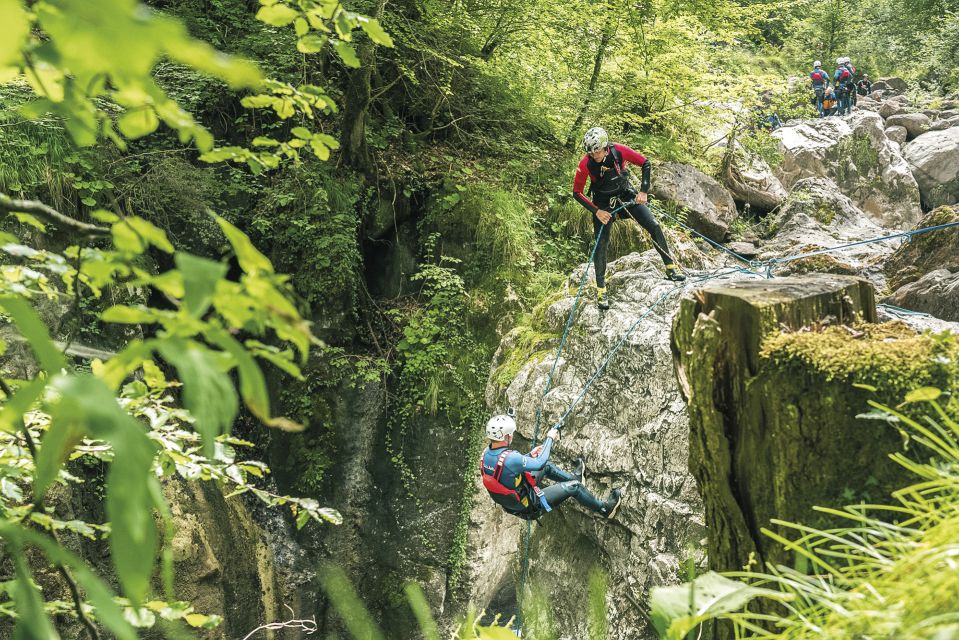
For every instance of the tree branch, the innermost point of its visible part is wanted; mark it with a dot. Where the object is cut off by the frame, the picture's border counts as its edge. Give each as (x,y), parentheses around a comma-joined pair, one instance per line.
(52,216)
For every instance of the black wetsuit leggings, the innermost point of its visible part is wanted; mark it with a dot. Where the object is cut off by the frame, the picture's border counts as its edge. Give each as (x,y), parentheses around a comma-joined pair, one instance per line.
(641,214)
(567,486)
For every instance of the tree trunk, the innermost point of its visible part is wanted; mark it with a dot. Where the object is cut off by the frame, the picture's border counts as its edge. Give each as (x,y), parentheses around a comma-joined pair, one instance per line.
(594,79)
(354,152)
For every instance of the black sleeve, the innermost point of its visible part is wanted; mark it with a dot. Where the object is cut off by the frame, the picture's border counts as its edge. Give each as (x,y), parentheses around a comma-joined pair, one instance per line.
(644,186)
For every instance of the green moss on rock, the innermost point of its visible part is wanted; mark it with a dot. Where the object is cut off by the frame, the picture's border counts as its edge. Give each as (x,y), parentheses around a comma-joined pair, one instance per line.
(890,357)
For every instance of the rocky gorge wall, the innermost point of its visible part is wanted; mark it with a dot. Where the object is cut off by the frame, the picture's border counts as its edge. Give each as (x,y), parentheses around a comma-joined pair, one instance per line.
(766,416)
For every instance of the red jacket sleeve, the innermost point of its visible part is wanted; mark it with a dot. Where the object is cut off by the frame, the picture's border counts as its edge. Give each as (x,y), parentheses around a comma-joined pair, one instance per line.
(633,157)
(579,183)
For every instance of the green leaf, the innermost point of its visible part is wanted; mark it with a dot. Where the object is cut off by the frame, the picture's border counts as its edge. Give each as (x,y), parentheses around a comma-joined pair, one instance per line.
(250,259)
(677,610)
(252,383)
(263,141)
(26,218)
(132,489)
(102,215)
(138,122)
(278,15)
(346,53)
(207,391)
(200,277)
(122,314)
(16,28)
(301,26)
(134,234)
(375,31)
(97,592)
(923,394)
(311,43)
(58,442)
(32,620)
(35,331)
(90,202)
(11,416)
(302,133)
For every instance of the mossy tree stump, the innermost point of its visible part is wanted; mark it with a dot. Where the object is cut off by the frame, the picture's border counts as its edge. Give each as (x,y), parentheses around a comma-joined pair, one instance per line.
(770,438)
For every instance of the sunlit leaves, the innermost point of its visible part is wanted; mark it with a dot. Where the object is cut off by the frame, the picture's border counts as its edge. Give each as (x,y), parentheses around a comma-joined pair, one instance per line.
(16,27)
(277,15)
(347,53)
(208,392)
(200,277)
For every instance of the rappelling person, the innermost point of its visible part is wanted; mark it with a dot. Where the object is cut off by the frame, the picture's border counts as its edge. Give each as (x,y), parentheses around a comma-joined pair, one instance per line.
(820,80)
(605,166)
(512,479)
(842,79)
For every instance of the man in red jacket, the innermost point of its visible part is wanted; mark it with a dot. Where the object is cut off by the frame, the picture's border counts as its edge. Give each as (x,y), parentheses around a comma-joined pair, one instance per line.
(605,166)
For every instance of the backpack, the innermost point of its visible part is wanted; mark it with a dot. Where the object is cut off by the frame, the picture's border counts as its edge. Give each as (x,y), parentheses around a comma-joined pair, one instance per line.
(844,75)
(507,497)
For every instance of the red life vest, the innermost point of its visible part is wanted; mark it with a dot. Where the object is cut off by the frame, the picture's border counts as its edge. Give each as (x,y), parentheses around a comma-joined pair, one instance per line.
(507,497)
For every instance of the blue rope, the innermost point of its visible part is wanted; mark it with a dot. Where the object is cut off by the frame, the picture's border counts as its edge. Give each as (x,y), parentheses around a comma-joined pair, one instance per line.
(907,312)
(524,572)
(719,246)
(768,264)
(772,262)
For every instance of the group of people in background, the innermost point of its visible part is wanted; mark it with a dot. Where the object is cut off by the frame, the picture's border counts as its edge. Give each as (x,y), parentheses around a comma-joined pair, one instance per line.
(837,95)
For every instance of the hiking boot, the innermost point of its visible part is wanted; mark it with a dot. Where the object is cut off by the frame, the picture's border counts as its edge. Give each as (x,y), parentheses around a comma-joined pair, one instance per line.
(673,273)
(602,300)
(611,504)
(580,471)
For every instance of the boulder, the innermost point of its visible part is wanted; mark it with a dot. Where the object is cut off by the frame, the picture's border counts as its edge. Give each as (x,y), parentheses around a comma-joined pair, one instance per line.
(745,249)
(814,216)
(934,160)
(926,252)
(932,114)
(891,108)
(945,124)
(855,154)
(897,134)
(915,123)
(946,114)
(936,293)
(710,207)
(867,103)
(880,86)
(897,85)
(751,181)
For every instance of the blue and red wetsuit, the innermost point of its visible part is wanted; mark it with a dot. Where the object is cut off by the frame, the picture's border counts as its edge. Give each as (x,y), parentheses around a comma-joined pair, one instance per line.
(609,183)
(512,476)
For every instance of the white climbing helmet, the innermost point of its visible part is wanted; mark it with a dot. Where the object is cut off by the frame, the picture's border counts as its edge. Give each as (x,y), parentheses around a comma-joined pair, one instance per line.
(817,63)
(499,427)
(595,139)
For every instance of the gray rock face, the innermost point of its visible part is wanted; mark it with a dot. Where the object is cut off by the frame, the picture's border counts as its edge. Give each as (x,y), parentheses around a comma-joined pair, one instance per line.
(891,108)
(632,428)
(914,123)
(893,83)
(711,207)
(948,113)
(751,181)
(855,154)
(934,159)
(897,134)
(940,125)
(936,293)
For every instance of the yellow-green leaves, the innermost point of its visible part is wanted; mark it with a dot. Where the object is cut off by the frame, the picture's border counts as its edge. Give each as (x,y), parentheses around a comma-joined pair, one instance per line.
(134,234)
(84,404)
(347,53)
(249,257)
(16,27)
(277,15)
(208,392)
(138,122)
(200,277)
